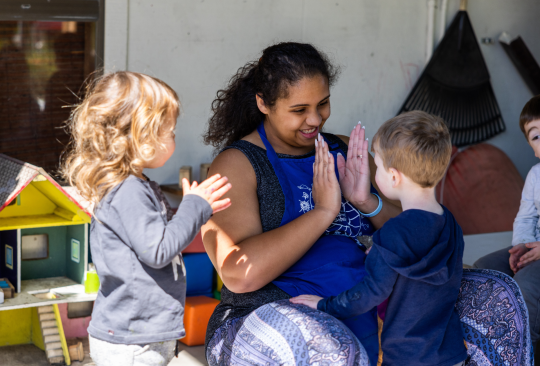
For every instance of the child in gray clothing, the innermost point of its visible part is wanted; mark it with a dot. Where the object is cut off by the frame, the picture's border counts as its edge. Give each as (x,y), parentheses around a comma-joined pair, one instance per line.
(522,259)
(125,124)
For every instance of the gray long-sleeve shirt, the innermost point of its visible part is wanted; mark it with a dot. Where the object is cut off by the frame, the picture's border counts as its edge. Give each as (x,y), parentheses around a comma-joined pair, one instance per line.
(526,228)
(133,245)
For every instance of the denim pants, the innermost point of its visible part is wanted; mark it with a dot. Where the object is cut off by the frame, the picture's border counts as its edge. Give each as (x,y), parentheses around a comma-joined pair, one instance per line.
(528,280)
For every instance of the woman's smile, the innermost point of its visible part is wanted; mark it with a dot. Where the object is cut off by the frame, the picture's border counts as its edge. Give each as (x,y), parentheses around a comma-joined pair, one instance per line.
(310,133)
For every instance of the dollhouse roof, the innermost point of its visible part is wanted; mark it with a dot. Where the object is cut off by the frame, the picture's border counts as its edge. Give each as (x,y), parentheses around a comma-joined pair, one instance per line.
(45,202)
(14,176)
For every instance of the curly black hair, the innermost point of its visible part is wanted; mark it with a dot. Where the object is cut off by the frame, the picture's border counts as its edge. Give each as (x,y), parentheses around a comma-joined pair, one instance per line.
(235,111)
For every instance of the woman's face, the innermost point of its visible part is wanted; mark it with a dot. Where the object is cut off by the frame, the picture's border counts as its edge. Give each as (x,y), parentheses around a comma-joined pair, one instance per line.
(293,123)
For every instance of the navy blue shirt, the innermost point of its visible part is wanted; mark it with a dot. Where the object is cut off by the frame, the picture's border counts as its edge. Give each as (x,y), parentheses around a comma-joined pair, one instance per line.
(415,262)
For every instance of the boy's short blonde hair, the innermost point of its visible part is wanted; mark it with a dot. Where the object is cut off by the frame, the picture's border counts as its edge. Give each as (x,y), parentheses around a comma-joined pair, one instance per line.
(116,129)
(417,144)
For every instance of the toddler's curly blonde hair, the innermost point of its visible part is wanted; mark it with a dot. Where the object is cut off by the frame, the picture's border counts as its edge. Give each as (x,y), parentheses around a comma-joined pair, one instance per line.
(115,130)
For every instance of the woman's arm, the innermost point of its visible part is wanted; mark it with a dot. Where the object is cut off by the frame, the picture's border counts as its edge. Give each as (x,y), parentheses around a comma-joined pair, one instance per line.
(246,258)
(356,187)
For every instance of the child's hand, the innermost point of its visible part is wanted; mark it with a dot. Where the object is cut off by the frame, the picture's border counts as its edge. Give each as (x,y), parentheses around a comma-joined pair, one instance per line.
(532,255)
(308,300)
(354,174)
(326,191)
(211,190)
(515,255)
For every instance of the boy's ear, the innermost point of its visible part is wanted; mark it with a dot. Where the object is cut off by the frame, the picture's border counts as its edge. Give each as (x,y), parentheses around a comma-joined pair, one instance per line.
(396,177)
(261,105)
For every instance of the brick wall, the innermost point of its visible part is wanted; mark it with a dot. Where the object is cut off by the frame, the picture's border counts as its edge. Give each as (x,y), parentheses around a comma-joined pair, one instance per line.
(42,66)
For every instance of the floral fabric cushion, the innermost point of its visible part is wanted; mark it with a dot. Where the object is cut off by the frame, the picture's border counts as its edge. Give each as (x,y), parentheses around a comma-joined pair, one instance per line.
(494,319)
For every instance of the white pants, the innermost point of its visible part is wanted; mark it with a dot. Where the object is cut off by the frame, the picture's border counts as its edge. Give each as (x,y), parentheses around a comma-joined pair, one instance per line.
(111,354)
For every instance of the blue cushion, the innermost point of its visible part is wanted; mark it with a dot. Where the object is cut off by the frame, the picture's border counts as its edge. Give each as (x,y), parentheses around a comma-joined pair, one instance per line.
(200,274)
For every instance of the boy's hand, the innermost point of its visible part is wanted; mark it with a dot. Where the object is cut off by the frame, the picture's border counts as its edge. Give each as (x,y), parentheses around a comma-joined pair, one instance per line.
(515,255)
(326,191)
(354,173)
(532,255)
(308,300)
(211,190)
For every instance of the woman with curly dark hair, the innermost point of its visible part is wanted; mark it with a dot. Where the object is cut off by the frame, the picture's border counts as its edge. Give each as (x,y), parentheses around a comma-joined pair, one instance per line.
(289,230)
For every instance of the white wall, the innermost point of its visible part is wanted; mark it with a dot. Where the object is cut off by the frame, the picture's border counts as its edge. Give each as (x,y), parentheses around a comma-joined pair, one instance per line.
(196,46)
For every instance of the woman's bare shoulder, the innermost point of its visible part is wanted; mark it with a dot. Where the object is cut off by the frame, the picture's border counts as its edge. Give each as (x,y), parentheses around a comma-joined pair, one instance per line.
(231,163)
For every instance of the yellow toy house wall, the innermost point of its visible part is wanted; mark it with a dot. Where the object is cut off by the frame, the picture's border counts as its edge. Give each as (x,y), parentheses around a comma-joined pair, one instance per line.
(32,202)
(16,327)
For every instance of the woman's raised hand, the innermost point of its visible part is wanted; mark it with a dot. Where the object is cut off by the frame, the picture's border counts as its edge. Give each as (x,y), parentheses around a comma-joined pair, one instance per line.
(354,174)
(326,192)
(211,190)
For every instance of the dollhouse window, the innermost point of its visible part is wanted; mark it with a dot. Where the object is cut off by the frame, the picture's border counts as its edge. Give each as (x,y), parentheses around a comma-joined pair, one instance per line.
(79,309)
(9,256)
(16,200)
(47,51)
(35,247)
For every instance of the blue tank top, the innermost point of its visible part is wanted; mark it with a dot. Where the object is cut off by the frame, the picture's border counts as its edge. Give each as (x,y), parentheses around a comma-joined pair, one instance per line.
(337,251)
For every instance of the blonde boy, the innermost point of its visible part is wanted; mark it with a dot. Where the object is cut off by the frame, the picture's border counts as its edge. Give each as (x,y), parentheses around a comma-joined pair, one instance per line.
(416,258)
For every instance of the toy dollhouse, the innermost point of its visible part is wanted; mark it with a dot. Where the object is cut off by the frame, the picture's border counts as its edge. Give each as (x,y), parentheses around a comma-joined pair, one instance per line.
(43,256)
(43,230)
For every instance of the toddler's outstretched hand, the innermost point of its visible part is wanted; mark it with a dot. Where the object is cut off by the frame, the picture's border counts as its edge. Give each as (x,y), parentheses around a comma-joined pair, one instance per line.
(211,190)
(532,255)
(308,300)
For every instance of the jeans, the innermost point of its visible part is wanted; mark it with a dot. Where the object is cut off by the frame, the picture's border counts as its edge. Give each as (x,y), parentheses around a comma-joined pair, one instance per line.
(528,280)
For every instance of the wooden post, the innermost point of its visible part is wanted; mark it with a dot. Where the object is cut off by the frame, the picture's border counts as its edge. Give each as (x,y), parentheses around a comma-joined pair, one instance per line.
(204,171)
(185,172)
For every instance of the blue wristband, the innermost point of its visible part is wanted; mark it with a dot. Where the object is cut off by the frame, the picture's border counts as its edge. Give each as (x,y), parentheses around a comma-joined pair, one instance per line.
(377,210)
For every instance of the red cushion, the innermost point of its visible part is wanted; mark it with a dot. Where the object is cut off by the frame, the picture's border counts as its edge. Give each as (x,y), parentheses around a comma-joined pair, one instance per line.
(196,245)
(482,189)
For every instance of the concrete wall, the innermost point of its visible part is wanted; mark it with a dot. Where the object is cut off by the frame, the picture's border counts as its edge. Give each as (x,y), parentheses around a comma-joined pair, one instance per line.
(196,46)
